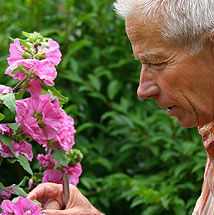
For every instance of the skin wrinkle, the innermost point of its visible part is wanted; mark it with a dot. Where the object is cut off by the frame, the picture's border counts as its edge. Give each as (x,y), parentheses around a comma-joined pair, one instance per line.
(192,107)
(180,83)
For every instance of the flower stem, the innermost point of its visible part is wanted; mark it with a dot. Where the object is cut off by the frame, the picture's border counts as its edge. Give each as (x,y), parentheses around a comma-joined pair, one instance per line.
(19,84)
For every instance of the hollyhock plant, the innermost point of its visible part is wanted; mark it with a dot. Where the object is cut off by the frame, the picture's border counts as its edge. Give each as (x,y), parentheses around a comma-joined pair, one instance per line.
(55,176)
(34,87)
(26,207)
(6,194)
(22,147)
(5,89)
(51,53)
(22,206)
(44,69)
(52,175)
(16,52)
(46,160)
(40,118)
(65,137)
(7,207)
(5,129)
(74,173)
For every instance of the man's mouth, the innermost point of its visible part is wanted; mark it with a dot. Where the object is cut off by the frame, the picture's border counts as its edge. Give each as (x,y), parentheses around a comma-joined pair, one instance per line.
(169,110)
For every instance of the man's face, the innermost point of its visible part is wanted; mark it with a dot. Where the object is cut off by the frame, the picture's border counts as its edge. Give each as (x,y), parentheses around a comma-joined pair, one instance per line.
(181,83)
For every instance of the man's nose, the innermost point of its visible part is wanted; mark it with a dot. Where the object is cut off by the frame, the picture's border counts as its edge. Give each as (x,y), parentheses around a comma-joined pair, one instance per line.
(147,86)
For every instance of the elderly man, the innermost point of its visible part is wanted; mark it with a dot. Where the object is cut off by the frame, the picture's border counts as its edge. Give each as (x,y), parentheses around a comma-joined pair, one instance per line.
(174,41)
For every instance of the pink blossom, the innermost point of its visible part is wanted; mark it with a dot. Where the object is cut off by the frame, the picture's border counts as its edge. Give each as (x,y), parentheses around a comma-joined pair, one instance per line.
(5,89)
(52,53)
(73,173)
(44,69)
(45,160)
(7,207)
(52,175)
(40,118)
(5,129)
(6,194)
(22,147)
(16,52)
(65,137)
(26,207)
(34,87)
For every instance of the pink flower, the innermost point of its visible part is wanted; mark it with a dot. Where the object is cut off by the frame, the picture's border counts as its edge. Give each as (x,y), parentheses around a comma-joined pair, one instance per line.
(74,173)
(5,89)
(52,53)
(16,52)
(6,194)
(5,129)
(40,118)
(26,207)
(7,207)
(65,137)
(34,87)
(22,147)
(52,175)
(44,69)
(45,160)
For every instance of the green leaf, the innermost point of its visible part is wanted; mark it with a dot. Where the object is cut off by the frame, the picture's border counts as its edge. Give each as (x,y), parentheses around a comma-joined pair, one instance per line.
(56,93)
(60,156)
(14,126)
(8,142)
(1,116)
(17,69)
(113,89)
(19,191)
(11,160)
(26,34)
(3,187)
(84,126)
(104,162)
(24,181)
(137,201)
(19,94)
(24,163)
(12,39)
(9,101)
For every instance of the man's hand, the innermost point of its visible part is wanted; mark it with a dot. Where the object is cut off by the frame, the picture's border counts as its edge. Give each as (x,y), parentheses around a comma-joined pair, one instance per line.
(77,204)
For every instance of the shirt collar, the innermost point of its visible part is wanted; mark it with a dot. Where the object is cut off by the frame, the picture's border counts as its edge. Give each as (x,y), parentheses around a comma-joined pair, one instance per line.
(207,133)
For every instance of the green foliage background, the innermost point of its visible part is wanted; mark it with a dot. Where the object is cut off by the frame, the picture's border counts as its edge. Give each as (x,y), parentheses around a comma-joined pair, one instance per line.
(137,159)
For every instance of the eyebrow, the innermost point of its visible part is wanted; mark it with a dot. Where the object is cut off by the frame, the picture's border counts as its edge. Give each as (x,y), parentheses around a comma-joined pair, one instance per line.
(150,57)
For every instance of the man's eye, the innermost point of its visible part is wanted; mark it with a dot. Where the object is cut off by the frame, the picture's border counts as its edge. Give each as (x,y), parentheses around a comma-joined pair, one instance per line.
(157,66)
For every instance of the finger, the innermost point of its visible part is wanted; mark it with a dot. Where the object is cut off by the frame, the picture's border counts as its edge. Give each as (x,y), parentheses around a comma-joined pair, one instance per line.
(52,204)
(70,212)
(47,191)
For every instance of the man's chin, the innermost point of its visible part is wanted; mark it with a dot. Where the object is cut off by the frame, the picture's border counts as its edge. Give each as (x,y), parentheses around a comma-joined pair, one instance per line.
(187,123)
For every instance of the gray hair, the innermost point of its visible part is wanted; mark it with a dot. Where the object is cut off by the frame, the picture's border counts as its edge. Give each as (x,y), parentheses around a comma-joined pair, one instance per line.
(188,23)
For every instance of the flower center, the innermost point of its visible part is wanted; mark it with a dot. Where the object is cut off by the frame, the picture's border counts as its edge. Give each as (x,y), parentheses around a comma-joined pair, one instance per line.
(38,116)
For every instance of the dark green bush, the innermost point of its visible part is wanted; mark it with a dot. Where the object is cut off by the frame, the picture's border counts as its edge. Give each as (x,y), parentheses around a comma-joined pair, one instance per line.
(137,159)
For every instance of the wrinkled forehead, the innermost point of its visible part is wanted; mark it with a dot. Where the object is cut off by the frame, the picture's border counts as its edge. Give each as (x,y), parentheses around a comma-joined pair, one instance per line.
(139,29)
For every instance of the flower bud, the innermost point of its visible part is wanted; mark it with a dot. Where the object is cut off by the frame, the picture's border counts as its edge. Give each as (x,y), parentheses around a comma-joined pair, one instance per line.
(31,184)
(26,55)
(74,156)
(40,55)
